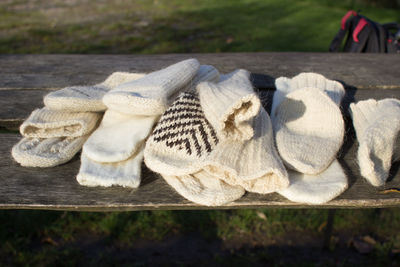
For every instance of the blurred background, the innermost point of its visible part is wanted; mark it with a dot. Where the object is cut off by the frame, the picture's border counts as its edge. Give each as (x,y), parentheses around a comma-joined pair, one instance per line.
(273,237)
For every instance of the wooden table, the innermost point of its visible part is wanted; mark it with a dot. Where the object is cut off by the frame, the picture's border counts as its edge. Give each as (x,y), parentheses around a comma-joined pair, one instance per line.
(25,79)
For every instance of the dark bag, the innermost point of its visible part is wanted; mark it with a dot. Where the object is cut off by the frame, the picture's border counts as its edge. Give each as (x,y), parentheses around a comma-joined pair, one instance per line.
(366,36)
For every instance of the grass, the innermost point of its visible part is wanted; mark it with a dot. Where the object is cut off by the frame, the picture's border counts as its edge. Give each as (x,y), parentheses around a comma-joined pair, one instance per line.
(234,237)
(174,26)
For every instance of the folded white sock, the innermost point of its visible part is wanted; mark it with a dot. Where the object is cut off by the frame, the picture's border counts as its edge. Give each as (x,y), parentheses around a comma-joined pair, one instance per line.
(46,152)
(308,124)
(149,95)
(118,137)
(230,105)
(123,173)
(377,125)
(202,188)
(46,123)
(87,98)
(316,189)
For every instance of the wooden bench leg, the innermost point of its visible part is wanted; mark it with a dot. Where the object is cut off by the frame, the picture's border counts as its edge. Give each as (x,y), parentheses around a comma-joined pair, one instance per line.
(329,228)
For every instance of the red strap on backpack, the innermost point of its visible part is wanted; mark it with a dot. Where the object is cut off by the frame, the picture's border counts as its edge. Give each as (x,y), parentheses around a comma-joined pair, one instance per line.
(346,17)
(361,24)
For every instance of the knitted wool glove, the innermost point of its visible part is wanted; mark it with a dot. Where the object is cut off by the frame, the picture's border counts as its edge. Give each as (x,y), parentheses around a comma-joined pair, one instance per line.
(149,95)
(307,121)
(230,105)
(87,98)
(377,125)
(316,189)
(204,189)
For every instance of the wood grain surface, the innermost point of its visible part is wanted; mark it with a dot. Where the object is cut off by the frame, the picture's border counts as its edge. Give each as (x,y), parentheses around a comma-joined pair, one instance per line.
(25,79)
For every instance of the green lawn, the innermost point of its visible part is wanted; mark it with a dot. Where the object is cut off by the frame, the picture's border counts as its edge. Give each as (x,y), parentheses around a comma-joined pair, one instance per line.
(174,26)
(235,237)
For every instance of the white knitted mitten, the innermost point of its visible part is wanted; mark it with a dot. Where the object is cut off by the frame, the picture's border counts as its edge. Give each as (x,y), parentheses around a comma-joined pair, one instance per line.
(87,98)
(377,125)
(308,124)
(149,95)
(316,189)
(204,189)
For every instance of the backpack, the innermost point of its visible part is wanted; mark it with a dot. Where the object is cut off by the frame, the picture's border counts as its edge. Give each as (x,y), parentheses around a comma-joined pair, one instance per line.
(366,36)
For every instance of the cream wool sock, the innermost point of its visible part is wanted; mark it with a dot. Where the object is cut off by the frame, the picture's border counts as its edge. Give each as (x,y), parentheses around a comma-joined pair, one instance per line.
(125,173)
(46,152)
(204,189)
(377,125)
(87,98)
(316,189)
(149,95)
(46,123)
(308,124)
(184,143)
(230,105)
(118,137)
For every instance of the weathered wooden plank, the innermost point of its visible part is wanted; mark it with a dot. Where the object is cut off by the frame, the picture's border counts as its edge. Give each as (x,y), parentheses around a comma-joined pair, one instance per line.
(16,105)
(56,71)
(56,188)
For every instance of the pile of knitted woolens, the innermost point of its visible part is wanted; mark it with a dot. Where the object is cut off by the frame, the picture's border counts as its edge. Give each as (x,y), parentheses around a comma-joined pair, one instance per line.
(208,134)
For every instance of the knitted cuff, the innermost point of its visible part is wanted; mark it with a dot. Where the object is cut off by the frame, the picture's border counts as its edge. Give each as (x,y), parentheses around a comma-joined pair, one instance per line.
(206,73)
(46,123)
(305,80)
(149,95)
(87,98)
(230,105)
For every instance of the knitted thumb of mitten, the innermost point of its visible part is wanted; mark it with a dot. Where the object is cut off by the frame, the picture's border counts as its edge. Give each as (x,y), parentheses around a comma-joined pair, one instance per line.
(230,105)
(307,121)
(377,125)
(87,98)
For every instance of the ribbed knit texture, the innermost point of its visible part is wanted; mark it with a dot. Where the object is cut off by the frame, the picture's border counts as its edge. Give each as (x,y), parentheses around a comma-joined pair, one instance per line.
(125,173)
(87,98)
(253,164)
(308,124)
(230,105)
(46,152)
(118,137)
(316,189)
(149,95)
(46,123)
(377,125)
(204,189)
